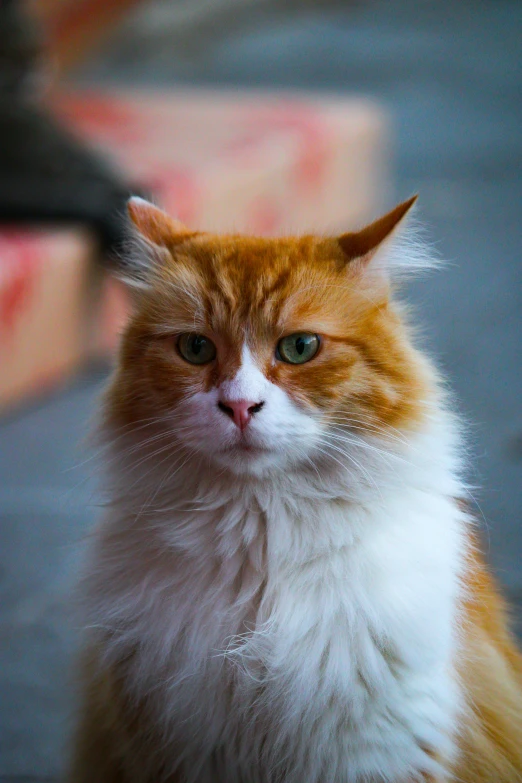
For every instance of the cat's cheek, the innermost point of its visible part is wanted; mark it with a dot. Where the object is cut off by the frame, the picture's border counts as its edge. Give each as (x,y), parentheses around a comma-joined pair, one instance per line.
(171,380)
(203,425)
(317,386)
(288,426)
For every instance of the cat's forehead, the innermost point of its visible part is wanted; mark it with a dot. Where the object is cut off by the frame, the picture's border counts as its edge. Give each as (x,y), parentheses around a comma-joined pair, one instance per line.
(251,271)
(244,259)
(264,286)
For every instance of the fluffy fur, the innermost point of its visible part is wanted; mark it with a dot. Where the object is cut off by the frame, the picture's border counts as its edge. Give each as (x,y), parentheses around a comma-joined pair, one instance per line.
(302,601)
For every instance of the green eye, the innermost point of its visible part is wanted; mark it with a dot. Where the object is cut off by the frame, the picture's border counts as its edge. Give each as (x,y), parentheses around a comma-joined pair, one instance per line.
(297,348)
(196,349)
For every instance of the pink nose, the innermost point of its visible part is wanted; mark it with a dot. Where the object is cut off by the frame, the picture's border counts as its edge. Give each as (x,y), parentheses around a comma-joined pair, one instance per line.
(240,411)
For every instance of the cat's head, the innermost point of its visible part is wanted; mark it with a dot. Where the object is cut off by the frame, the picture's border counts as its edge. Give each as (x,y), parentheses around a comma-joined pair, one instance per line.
(263,354)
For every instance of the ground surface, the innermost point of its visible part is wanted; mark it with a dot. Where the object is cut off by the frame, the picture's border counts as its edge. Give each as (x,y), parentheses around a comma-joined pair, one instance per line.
(450,74)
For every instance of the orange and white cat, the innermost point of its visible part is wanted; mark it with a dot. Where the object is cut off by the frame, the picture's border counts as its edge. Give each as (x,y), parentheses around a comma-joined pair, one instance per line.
(286,586)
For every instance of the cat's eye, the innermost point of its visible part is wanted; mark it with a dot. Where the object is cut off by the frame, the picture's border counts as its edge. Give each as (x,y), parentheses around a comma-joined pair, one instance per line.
(298,348)
(196,348)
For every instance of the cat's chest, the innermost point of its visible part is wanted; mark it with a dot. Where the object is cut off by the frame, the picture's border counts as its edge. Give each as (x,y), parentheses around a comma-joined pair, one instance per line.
(286,630)
(312,574)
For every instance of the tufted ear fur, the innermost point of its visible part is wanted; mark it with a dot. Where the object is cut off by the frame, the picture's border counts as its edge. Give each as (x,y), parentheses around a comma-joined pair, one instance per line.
(154,236)
(154,224)
(383,248)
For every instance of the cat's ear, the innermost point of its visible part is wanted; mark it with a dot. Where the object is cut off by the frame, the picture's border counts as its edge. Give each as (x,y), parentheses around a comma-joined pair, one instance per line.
(154,224)
(154,235)
(376,249)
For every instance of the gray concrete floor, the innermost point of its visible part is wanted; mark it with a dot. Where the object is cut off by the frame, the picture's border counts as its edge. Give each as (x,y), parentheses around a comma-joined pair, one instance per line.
(450,75)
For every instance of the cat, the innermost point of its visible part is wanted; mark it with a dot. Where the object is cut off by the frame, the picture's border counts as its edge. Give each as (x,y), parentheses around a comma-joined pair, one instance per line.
(287,586)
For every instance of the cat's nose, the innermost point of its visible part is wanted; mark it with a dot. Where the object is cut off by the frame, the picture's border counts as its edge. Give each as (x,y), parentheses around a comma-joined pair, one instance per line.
(240,411)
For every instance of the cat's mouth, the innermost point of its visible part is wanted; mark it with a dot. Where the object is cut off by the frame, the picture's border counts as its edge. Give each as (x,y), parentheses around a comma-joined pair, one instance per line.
(245,457)
(243,447)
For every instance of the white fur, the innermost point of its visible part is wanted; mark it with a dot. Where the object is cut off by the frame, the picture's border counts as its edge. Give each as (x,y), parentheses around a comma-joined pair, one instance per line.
(141,257)
(292,614)
(404,254)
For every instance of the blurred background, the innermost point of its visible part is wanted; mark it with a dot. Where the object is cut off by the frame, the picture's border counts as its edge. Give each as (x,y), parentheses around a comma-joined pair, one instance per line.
(255,115)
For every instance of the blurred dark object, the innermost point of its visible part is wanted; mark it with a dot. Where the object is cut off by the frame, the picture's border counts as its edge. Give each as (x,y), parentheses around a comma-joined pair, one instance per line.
(20,49)
(47,175)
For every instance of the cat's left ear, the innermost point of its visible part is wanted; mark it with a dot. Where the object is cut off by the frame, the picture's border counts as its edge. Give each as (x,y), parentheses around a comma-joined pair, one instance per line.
(154,236)
(372,248)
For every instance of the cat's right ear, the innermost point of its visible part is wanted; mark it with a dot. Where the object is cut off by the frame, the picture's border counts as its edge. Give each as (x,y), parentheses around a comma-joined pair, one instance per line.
(153,236)
(155,225)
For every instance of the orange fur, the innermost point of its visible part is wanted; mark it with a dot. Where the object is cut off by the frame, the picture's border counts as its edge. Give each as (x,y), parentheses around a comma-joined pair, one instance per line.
(367,369)
(491,672)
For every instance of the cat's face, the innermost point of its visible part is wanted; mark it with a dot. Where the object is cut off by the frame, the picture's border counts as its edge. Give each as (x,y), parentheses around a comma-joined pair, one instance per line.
(263,353)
